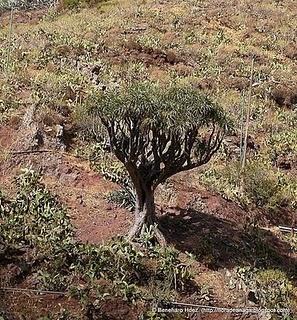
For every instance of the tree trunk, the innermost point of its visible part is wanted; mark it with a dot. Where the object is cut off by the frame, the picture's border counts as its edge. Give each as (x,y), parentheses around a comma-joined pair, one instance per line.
(145,215)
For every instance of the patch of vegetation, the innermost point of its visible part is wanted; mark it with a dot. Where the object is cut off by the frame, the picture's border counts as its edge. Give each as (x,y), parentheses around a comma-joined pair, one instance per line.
(72,4)
(270,288)
(291,239)
(103,162)
(63,314)
(258,184)
(35,222)
(10,98)
(283,145)
(24,4)
(25,220)
(116,172)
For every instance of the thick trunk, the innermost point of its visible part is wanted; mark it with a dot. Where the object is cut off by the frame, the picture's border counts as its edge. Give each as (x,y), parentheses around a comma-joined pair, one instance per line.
(145,215)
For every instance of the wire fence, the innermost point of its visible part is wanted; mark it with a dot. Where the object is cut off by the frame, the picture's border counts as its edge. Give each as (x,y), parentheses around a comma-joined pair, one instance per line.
(170,306)
(34,291)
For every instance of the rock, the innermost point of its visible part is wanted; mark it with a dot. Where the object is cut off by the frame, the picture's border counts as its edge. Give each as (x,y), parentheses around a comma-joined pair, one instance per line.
(59,131)
(251,296)
(68,175)
(60,137)
(80,200)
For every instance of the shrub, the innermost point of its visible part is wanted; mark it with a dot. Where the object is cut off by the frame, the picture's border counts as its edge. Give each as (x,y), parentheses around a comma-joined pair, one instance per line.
(261,185)
(24,4)
(258,184)
(9,98)
(292,240)
(73,4)
(175,273)
(273,288)
(26,220)
(270,287)
(283,144)
(123,198)
(116,172)
(112,170)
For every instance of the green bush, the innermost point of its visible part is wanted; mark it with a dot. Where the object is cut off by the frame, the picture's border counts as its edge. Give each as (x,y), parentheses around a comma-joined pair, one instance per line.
(262,186)
(72,4)
(174,272)
(34,218)
(292,241)
(9,99)
(271,287)
(283,144)
(116,172)
(258,184)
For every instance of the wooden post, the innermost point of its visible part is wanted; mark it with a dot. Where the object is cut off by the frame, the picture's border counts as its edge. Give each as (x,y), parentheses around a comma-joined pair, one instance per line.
(9,41)
(248,114)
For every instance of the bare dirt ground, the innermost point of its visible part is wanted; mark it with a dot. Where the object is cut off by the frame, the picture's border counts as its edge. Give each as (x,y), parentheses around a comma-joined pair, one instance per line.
(22,16)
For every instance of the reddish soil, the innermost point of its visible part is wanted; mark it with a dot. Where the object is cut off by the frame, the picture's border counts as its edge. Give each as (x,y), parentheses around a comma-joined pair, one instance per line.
(83,191)
(133,51)
(187,192)
(80,189)
(6,137)
(22,16)
(33,306)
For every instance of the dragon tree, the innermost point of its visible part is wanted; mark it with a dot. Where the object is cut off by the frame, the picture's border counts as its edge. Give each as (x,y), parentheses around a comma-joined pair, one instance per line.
(157,132)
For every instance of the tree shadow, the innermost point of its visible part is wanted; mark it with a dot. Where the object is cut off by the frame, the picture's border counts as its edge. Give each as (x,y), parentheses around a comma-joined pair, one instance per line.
(220,243)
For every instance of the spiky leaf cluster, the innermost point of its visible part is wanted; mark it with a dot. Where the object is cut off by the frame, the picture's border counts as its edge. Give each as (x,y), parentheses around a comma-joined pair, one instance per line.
(173,108)
(159,131)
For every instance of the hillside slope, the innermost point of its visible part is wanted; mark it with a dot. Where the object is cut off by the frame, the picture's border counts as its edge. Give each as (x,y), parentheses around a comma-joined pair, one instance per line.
(49,60)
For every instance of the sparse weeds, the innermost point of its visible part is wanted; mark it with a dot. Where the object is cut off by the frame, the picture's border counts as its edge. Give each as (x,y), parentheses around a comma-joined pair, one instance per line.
(12,97)
(292,241)
(62,314)
(173,270)
(79,4)
(115,172)
(283,145)
(59,91)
